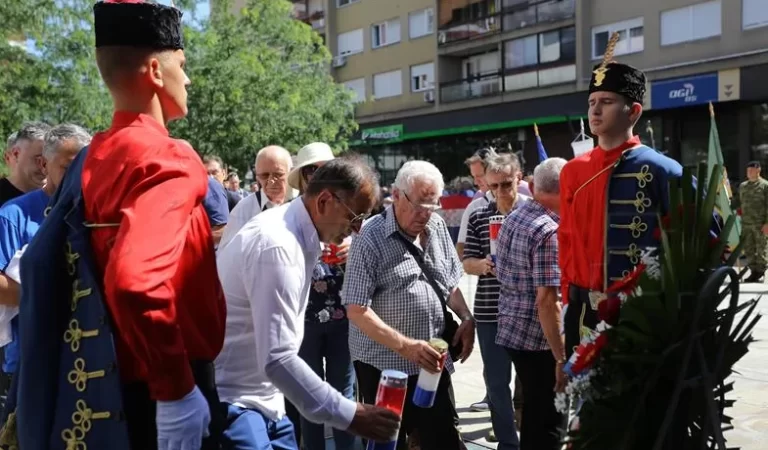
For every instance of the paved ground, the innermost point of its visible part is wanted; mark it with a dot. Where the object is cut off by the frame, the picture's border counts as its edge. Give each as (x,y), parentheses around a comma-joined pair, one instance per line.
(751,387)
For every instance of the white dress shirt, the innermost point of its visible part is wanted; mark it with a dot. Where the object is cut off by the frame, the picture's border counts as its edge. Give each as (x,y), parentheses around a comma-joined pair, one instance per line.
(266,272)
(245,210)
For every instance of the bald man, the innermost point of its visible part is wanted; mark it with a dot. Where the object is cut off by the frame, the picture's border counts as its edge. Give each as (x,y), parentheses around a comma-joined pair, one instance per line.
(273,163)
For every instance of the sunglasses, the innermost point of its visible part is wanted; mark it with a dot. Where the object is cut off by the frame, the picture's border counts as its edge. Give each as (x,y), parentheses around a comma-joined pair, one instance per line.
(503,185)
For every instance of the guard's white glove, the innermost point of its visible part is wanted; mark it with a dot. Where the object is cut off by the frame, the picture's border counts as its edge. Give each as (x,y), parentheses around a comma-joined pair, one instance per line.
(182,424)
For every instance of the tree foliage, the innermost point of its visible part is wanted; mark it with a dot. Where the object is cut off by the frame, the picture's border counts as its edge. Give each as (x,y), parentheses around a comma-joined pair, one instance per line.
(57,81)
(260,78)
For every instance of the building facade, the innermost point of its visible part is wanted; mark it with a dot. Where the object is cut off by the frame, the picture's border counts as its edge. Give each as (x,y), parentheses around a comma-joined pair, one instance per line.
(436,79)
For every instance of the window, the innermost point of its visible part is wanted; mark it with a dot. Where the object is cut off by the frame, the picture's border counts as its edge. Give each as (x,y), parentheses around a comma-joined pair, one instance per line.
(693,22)
(388,84)
(521,52)
(385,33)
(549,47)
(350,42)
(630,37)
(421,23)
(358,87)
(346,2)
(422,77)
(754,14)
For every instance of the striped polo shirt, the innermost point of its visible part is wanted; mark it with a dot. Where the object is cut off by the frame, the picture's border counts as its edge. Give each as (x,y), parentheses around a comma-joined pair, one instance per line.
(478,245)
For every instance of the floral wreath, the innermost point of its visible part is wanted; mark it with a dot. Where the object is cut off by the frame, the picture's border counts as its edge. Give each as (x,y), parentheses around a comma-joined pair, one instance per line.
(652,376)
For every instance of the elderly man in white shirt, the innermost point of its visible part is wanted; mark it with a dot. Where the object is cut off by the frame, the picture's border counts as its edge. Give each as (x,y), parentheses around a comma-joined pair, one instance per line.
(273,164)
(265,272)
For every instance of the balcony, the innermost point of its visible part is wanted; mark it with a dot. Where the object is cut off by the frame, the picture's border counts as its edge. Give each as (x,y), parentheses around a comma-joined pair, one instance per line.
(508,80)
(484,85)
(459,28)
(310,12)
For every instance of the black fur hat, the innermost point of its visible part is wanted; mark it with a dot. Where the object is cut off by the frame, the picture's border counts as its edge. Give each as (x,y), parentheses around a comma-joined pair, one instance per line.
(135,23)
(611,76)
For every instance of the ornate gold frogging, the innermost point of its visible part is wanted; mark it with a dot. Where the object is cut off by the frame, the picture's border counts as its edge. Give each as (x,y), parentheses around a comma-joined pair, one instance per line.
(636,226)
(77,293)
(643,177)
(641,202)
(633,253)
(74,334)
(79,377)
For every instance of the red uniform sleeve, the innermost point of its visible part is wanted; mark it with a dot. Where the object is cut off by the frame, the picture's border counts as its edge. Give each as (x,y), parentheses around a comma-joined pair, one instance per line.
(564,232)
(139,277)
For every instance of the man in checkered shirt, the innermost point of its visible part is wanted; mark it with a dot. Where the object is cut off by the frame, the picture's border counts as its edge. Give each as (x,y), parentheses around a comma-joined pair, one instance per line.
(393,309)
(501,176)
(529,309)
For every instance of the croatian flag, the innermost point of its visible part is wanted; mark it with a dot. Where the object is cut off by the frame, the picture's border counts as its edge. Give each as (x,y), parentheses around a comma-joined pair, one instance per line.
(451,209)
(539,144)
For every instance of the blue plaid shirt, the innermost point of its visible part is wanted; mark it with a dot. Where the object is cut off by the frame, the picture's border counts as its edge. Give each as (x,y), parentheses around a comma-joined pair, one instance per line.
(526,259)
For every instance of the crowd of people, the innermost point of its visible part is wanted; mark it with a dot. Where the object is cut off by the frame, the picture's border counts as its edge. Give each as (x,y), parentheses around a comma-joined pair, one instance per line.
(165,307)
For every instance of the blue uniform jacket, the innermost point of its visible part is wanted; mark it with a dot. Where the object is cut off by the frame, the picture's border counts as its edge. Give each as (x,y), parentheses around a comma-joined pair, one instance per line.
(68,391)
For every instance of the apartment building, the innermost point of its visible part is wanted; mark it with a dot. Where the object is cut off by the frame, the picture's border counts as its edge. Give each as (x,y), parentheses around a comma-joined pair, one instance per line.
(436,79)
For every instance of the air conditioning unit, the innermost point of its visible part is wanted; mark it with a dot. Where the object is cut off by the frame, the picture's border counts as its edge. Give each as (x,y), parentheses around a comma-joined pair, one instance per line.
(429,97)
(339,61)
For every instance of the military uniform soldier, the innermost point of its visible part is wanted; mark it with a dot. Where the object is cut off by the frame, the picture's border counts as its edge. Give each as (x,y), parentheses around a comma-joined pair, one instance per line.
(754,218)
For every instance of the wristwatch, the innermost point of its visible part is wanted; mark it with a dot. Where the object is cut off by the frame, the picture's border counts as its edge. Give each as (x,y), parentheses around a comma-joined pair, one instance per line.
(466,318)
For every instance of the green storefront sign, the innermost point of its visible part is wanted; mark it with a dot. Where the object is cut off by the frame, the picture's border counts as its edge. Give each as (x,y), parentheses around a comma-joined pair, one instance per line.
(382,135)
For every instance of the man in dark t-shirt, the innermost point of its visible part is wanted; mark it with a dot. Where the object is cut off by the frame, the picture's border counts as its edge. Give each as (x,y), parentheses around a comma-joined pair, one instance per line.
(25,157)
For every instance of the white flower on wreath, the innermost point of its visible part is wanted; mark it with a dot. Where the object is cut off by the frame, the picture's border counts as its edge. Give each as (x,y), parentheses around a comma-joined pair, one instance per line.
(561,402)
(650,259)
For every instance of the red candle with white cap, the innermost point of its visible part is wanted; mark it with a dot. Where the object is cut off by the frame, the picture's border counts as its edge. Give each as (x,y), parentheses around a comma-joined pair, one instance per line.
(494,226)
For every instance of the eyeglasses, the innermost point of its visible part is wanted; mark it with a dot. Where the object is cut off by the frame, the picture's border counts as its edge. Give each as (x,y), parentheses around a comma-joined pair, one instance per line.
(503,185)
(268,177)
(357,219)
(422,207)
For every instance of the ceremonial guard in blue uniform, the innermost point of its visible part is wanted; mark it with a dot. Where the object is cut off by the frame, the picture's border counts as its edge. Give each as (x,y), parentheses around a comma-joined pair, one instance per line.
(610,197)
(122,312)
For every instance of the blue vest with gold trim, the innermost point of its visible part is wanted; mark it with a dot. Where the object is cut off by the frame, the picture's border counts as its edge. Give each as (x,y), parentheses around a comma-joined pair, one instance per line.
(637,192)
(68,394)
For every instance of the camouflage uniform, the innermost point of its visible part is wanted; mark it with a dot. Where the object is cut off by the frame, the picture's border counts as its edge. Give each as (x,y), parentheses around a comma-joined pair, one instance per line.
(754,214)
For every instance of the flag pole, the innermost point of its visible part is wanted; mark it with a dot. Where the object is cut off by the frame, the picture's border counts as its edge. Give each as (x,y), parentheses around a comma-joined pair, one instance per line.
(649,130)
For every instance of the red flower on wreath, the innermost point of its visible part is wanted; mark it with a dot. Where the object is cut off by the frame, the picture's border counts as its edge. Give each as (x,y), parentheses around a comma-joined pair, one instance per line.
(627,284)
(608,310)
(587,354)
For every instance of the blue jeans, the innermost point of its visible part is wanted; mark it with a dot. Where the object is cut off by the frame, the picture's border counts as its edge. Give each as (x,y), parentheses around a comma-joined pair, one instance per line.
(248,429)
(328,341)
(498,375)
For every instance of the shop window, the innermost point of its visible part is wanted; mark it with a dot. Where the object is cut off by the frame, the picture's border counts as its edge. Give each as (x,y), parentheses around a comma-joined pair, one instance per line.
(694,138)
(759,140)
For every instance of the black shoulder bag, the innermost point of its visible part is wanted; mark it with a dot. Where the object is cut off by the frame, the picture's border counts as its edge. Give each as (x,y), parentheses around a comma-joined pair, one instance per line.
(451,326)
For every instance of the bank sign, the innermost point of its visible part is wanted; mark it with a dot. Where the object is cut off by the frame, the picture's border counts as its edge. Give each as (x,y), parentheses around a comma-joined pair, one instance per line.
(382,135)
(687,91)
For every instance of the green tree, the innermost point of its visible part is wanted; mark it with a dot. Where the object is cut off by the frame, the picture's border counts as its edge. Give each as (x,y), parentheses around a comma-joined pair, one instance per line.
(57,81)
(260,78)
